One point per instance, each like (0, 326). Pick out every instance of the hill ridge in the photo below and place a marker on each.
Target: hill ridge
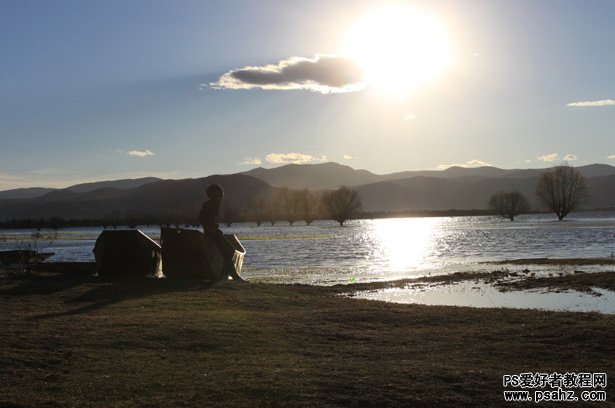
(455, 188)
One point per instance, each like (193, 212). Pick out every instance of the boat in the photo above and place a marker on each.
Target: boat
(126, 253)
(188, 253)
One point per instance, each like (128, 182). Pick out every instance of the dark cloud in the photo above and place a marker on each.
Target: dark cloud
(324, 74)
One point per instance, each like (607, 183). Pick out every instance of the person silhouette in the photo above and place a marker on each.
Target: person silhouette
(207, 216)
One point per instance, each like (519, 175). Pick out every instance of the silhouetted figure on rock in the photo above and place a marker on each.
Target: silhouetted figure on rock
(207, 216)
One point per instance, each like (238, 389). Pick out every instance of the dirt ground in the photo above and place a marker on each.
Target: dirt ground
(549, 279)
(77, 340)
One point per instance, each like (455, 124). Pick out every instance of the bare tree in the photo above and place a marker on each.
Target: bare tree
(562, 189)
(342, 204)
(509, 204)
(289, 201)
(258, 210)
(308, 205)
(229, 212)
(285, 205)
(274, 209)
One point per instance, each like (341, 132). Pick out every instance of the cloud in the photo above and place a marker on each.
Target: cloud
(252, 161)
(323, 73)
(611, 157)
(140, 153)
(476, 163)
(349, 157)
(549, 157)
(296, 158)
(468, 164)
(604, 102)
(409, 117)
(555, 157)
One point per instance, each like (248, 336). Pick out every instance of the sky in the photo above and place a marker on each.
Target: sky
(93, 90)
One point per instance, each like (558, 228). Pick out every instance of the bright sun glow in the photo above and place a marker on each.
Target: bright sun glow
(406, 243)
(399, 48)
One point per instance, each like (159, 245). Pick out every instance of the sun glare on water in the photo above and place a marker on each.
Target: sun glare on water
(406, 243)
(400, 49)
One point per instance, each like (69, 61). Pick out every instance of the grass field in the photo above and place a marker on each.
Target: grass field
(71, 340)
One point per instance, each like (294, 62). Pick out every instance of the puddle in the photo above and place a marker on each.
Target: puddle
(474, 294)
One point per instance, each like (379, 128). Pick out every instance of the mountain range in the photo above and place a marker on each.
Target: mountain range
(454, 188)
(77, 188)
(172, 198)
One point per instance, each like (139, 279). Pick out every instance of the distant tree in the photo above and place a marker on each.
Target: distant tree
(308, 205)
(342, 204)
(287, 201)
(509, 204)
(275, 210)
(229, 212)
(562, 190)
(272, 213)
(258, 210)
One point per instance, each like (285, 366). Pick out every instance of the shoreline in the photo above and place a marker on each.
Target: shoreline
(506, 280)
(574, 285)
(61, 223)
(547, 275)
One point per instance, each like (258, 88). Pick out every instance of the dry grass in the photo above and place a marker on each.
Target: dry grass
(70, 340)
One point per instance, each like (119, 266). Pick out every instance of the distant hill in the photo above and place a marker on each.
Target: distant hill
(19, 193)
(313, 176)
(431, 193)
(455, 188)
(602, 190)
(121, 184)
(181, 198)
(467, 193)
(451, 172)
(33, 192)
(592, 170)
(332, 175)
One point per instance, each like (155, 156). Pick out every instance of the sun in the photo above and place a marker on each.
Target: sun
(399, 48)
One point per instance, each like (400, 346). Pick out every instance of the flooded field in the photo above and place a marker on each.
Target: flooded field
(385, 249)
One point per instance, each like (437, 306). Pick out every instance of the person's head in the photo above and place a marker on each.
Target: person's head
(214, 191)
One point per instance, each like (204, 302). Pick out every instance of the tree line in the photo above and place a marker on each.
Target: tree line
(283, 204)
(560, 190)
(289, 205)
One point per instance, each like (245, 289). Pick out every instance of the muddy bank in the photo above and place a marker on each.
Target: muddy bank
(524, 277)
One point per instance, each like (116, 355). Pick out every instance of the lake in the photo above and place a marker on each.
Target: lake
(366, 250)
(385, 249)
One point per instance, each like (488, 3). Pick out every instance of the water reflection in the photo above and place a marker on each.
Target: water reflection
(482, 295)
(405, 244)
(364, 250)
